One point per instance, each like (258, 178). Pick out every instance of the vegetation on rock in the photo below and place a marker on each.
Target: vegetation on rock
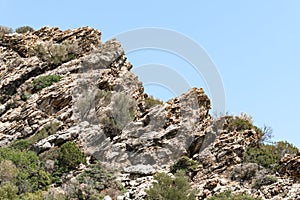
(98, 178)
(241, 124)
(44, 81)
(5, 30)
(267, 155)
(70, 156)
(150, 101)
(24, 29)
(26, 144)
(186, 164)
(55, 53)
(22, 170)
(169, 189)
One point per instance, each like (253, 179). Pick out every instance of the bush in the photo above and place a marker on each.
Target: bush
(168, 189)
(227, 195)
(31, 175)
(98, 179)
(267, 155)
(150, 102)
(24, 29)
(5, 30)
(31, 196)
(8, 191)
(70, 156)
(44, 81)
(49, 129)
(265, 180)
(56, 54)
(121, 114)
(8, 171)
(21, 144)
(26, 144)
(241, 124)
(186, 164)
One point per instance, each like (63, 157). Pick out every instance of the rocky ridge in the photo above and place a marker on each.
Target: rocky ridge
(101, 105)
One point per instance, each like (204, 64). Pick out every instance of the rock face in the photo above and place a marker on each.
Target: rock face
(101, 105)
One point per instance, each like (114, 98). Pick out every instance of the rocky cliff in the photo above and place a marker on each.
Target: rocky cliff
(100, 104)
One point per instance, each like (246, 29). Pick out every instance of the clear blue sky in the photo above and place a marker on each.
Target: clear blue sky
(254, 44)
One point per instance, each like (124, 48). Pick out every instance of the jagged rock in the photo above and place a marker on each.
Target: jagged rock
(100, 104)
(290, 165)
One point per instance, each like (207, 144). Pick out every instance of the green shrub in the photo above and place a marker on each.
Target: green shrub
(169, 189)
(240, 124)
(31, 196)
(150, 101)
(186, 164)
(44, 81)
(227, 195)
(49, 129)
(21, 144)
(24, 29)
(26, 144)
(31, 175)
(8, 191)
(70, 156)
(267, 155)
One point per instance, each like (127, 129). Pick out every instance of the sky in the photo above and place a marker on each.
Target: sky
(254, 46)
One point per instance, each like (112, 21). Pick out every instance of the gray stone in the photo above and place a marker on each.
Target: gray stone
(140, 169)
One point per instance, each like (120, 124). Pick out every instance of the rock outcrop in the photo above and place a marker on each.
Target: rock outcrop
(101, 105)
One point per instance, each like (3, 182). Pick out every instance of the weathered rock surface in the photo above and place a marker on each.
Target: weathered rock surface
(101, 105)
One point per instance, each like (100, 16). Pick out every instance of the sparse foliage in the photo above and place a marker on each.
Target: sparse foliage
(55, 53)
(97, 178)
(267, 134)
(166, 188)
(8, 171)
(150, 102)
(122, 113)
(5, 30)
(265, 180)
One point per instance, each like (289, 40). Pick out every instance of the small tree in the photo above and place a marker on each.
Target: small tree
(24, 29)
(267, 134)
(70, 156)
(166, 188)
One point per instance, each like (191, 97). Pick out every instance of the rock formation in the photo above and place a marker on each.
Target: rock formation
(101, 105)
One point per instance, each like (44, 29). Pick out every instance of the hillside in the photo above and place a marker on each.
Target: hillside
(75, 123)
